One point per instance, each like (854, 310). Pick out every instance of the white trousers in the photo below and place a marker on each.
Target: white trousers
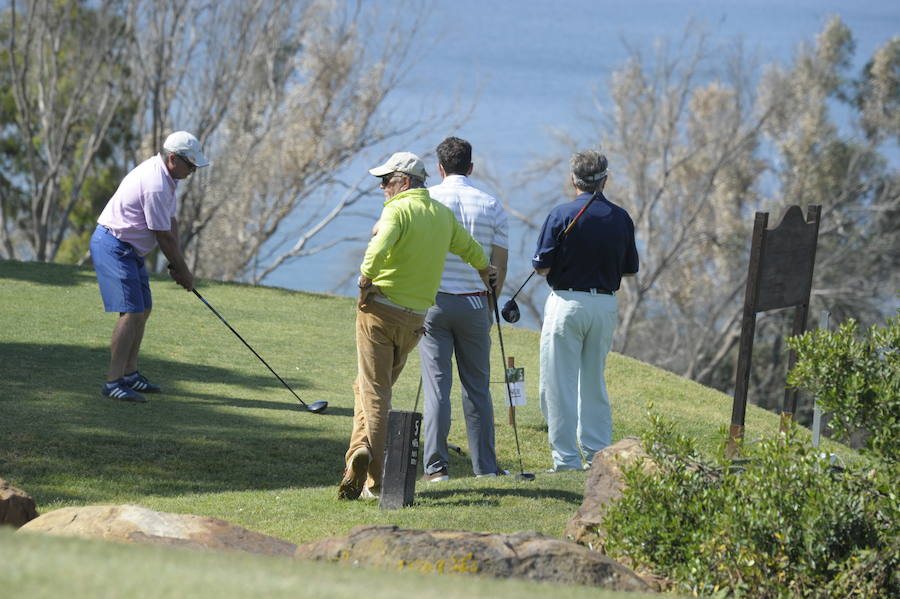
(575, 339)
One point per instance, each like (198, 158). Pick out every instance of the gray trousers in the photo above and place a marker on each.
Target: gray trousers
(463, 324)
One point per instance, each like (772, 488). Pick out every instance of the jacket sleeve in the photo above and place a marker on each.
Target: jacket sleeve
(547, 244)
(381, 243)
(465, 246)
(632, 262)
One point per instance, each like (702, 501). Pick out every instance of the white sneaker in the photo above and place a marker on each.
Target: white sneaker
(556, 469)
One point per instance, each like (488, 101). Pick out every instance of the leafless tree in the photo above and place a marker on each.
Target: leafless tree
(848, 173)
(284, 94)
(63, 67)
(681, 139)
(697, 142)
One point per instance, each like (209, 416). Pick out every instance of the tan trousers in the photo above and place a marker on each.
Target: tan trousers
(384, 337)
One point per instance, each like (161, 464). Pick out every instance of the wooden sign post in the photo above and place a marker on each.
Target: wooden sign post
(780, 276)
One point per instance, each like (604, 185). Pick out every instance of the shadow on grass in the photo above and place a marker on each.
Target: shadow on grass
(48, 274)
(482, 495)
(287, 402)
(64, 442)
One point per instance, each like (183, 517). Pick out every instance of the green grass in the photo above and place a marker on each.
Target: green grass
(40, 567)
(227, 440)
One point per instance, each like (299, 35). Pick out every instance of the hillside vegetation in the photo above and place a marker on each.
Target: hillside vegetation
(227, 440)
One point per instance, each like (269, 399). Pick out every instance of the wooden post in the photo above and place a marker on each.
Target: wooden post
(510, 363)
(748, 324)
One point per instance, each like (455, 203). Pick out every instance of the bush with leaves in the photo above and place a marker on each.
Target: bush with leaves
(856, 378)
(782, 522)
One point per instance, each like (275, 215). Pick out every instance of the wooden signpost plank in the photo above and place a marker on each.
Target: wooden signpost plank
(779, 276)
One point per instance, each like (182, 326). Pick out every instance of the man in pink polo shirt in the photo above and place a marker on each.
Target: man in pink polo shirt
(140, 216)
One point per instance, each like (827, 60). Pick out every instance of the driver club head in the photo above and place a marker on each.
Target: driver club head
(525, 476)
(317, 407)
(510, 311)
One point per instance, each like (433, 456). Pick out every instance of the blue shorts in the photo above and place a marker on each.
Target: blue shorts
(121, 274)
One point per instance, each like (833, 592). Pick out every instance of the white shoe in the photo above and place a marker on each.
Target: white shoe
(561, 469)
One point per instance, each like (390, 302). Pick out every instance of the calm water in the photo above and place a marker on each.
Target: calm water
(534, 66)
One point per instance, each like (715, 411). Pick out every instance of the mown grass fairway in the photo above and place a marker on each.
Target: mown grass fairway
(226, 439)
(45, 567)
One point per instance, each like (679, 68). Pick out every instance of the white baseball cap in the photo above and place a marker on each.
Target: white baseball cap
(401, 162)
(187, 146)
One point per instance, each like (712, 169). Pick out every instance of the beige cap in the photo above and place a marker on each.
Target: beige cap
(187, 146)
(401, 162)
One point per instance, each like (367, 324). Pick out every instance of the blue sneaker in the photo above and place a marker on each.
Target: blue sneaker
(118, 390)
(139, 382)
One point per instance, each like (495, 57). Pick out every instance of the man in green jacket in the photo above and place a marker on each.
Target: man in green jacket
(399, 279)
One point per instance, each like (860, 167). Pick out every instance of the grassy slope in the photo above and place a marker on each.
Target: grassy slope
(227, 440)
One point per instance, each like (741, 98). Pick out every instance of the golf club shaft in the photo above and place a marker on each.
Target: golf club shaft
(418, 392)
(522, 286)
(238, 335)
(506, 378)
(561, 237)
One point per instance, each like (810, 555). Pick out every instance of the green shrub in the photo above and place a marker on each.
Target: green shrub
(855, 378)
(781, 523)
(661, 520)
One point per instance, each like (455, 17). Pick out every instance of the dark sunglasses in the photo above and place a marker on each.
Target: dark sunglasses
(386, 179)
(191, 166)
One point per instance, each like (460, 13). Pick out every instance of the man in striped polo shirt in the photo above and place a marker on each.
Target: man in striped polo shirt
(460, 321)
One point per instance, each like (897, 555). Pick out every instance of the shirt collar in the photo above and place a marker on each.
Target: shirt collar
(455, 180)
(167, 176)
(408, 193)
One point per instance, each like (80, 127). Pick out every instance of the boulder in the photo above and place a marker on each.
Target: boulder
(603, 486)
(136, 524)
(16, 506)
(526, 555)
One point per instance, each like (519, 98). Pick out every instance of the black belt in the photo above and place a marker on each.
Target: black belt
(474, 293)
(585, 289)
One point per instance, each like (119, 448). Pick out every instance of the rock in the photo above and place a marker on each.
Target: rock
(526, 555)
(132, 523)
(16, 506)
(604, 485)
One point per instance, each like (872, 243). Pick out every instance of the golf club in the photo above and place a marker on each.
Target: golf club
(316, 407)
(418, 393)
(511, 308)
(522, 475)
(511, 311)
